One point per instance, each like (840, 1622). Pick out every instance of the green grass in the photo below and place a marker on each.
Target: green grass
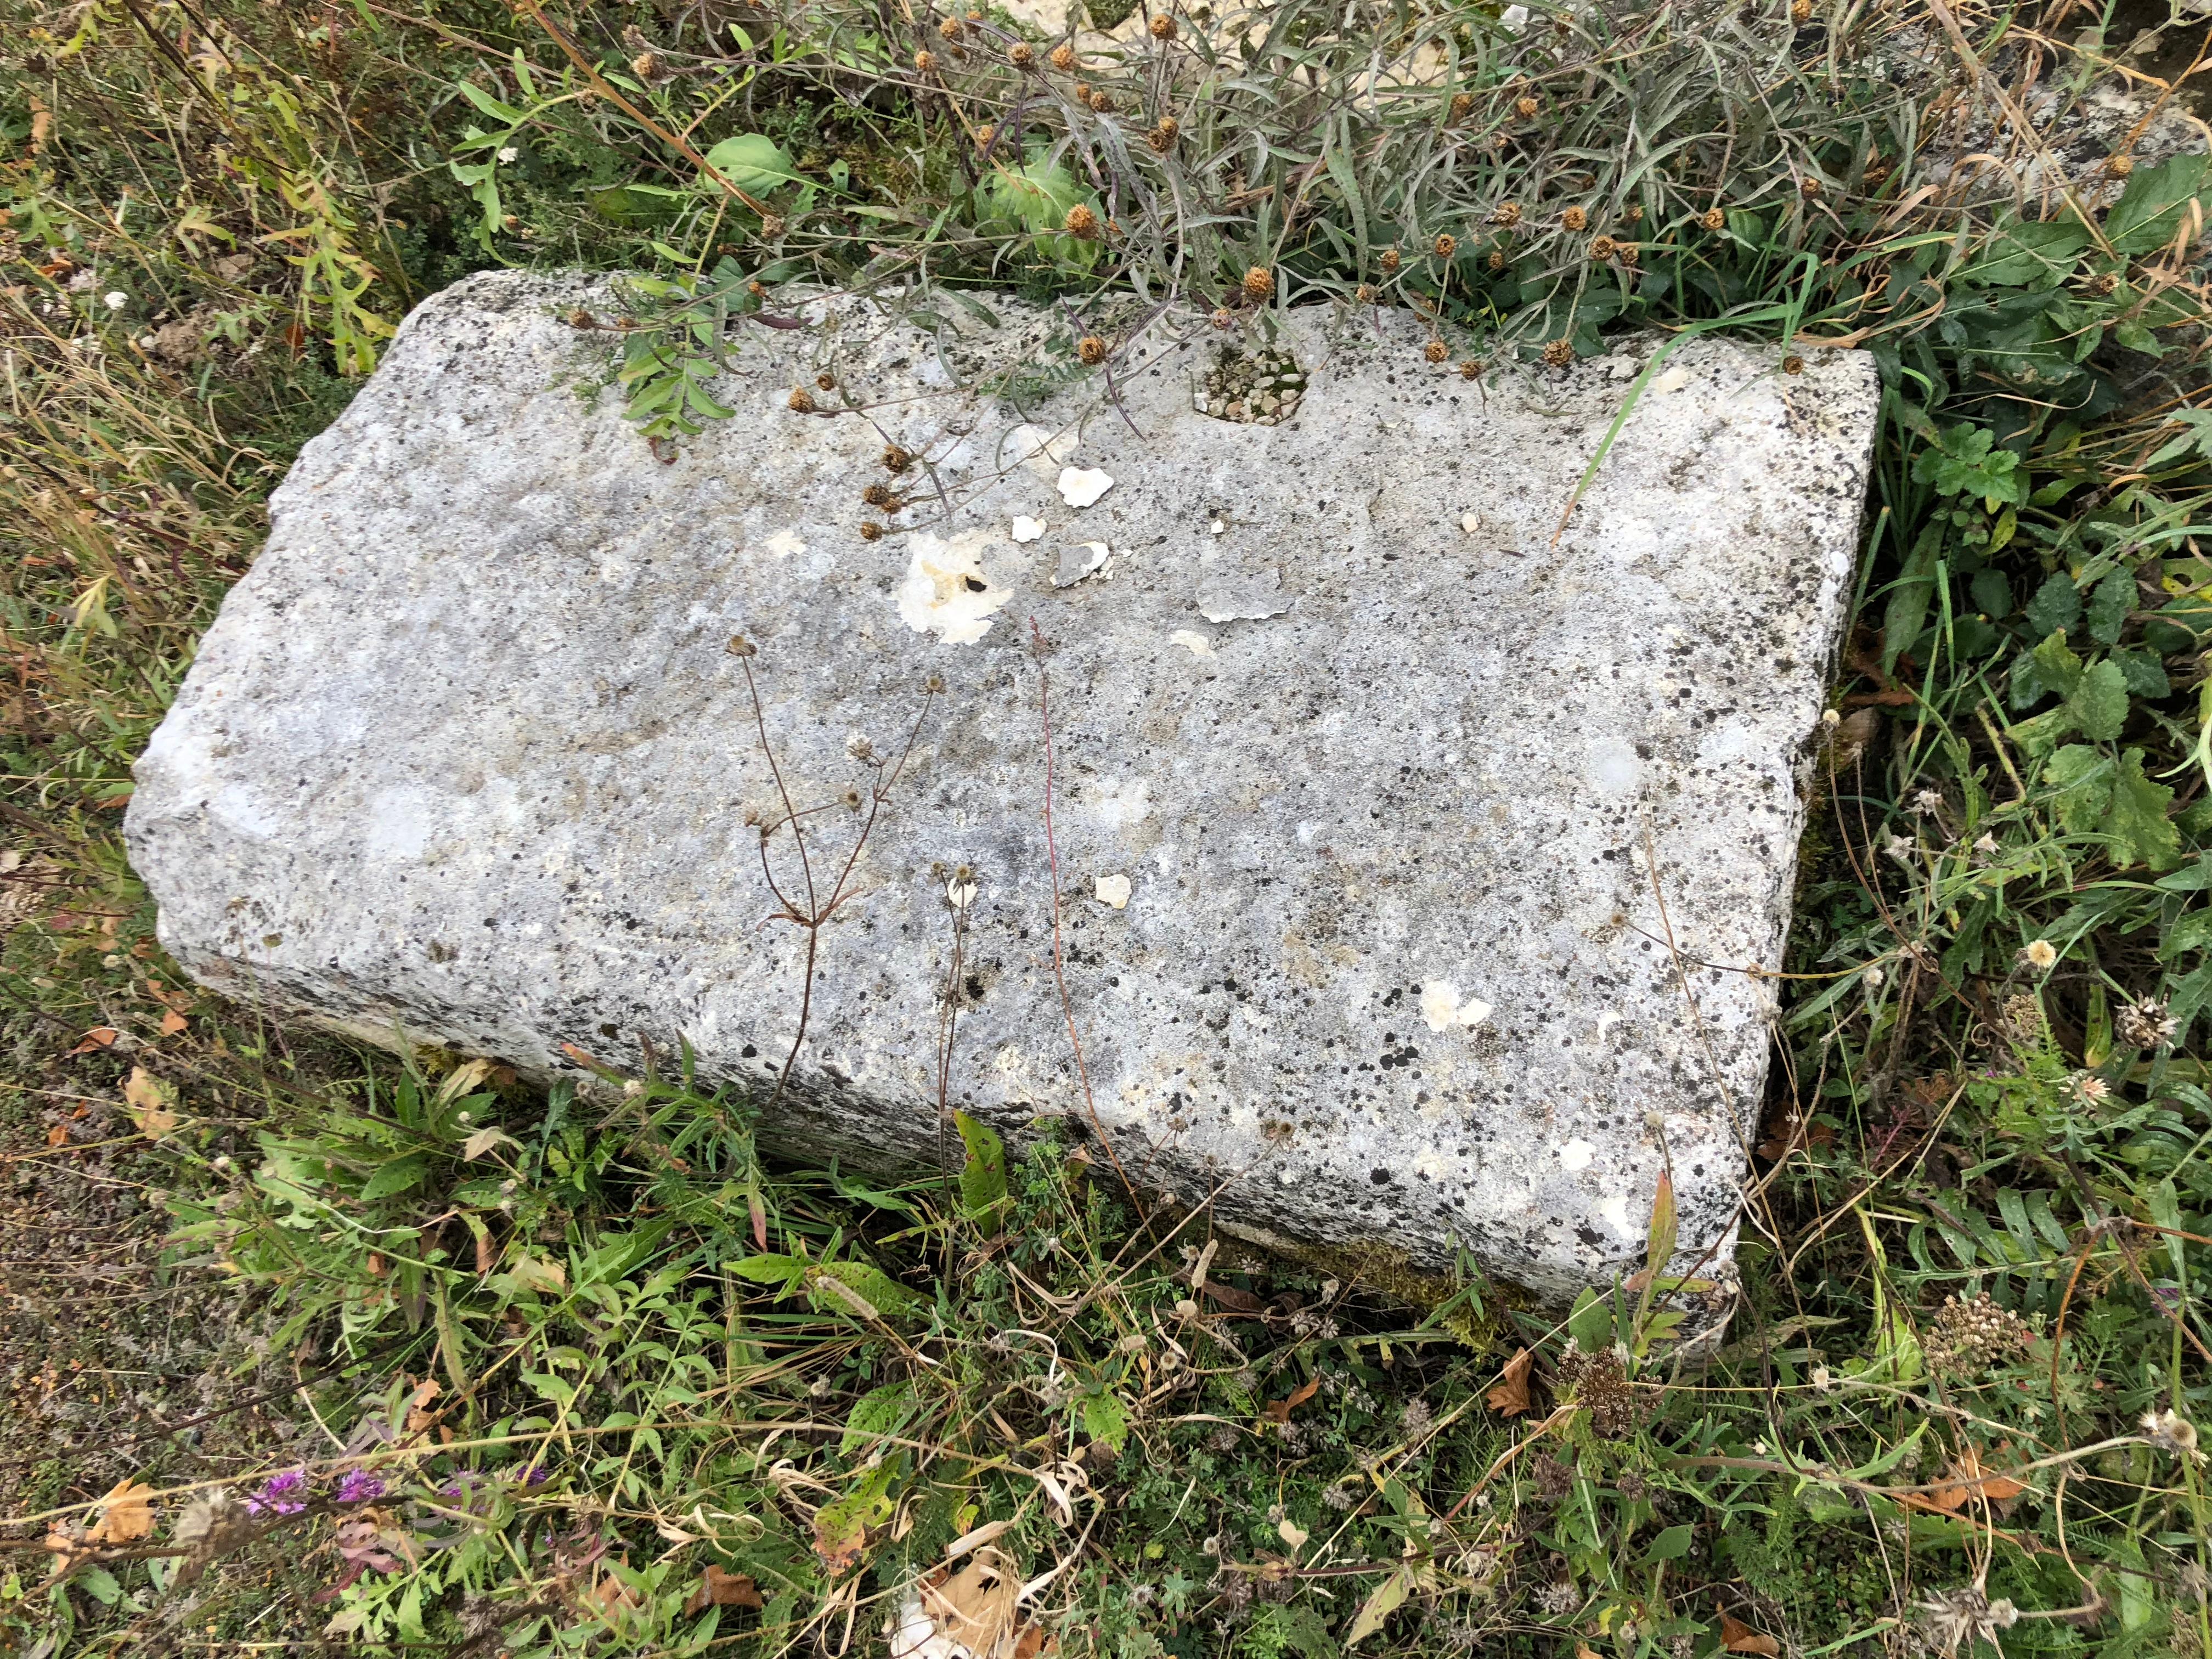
(1975, 1249)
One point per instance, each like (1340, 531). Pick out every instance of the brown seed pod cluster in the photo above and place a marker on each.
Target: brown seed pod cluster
(1389, 261)
(1091, 350)
(1628, 252)
(925, 61)
(1436, 351)
(1022, 55)
(1101, 103)
(871, 531)
(897, 460)
(879, 496)
(801, 401)
(1634, 216)
(951, 28)
(1508, 215)
(1525, 108)
(1080, 221)
(1574, 219)
(1445, 246)
(1462, 106)
(826, 381)
(1713, 219)
(1793, 364)
(1164, 28)
(1558, 353)
(1259, 283)
(1162, 137)
(1599, 1384)
(1470, 370)
(1063, 57)
(1965, 1337)
(2146, 1024)
(1602, 248)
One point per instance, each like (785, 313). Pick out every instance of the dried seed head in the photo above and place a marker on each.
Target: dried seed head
(1462, 106)
(1063, 57)
(1365, 294)
(1081, 95)
(877, 495)
(934, 685)
(1164, 28)
(2146, 1024)
(757, 290)
(826, 381)
(2119, 166)
(1389, 260)
(1496, 260)
(1508, 215)
(1091, 349)
(1558, 353)
(897, 460)
(1162, 137)
(951, 28)
(1022, 55)
(1223, 317)
(1634, 216)
(1602, 248)
(1713, 219)
(1793, 364)
(2038, 954)
(1446, 245)
(1525, 108)
(1436, 351)
(1081, 221)
(984, 134)
(802, 401)
(739, 646)
(646, 66)
(1802, 11)
(772, 226)
(1574, 219)
(1259, 283)
(1808, 188)
(1100, 103)
(852, 799)
(925, 61)
(1470, 370)
(871, 531)
(2106, 282)
(1626, 253)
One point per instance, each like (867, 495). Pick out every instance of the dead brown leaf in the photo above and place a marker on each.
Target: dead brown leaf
(128, 1516)
(151, 1102)
(718, 1588)
(173, 1022)
(1965, 1478)
(1280, 1410)
(59, 1136)
(419, 1414)
(99, 1036)
(1511, 1397)
(1739, 1637)
(975, 1607)
(1235, 1301)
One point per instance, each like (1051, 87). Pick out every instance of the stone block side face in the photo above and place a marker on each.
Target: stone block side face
(462, 757)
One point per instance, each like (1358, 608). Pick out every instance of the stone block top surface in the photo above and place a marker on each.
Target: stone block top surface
(1361, 765)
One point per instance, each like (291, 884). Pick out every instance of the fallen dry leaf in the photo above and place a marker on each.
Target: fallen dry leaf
(1235, 1301)
(99, 1036)
(1511, 1397)
(718, 1588)
(1280, 1410)
(128, 1516)
(173, 1022)
(151, 1102)
(1739, 1637)
(1964, 1479)
(59, 1136)
(419, 1415)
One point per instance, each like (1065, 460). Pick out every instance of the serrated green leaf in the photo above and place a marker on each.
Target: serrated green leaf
(398, 1175)
(983, 1178)
(1105, 1418)
(875, 1287)
(879, 1411)
(2055, 607)
(2098, 702)
(2083, 777)
(2057, 668)
(2141, 831)
(2109, 605)
(784, 1270)
(2149, 213)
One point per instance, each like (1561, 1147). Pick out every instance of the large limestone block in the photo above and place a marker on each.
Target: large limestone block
(1380, 764)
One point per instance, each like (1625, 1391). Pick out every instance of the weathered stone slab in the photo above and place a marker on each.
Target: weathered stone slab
(1357, 766)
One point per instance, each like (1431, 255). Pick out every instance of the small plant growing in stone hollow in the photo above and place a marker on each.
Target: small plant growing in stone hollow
(809, 902)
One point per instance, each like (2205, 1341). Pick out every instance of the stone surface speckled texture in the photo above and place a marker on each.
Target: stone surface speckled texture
(464, 758)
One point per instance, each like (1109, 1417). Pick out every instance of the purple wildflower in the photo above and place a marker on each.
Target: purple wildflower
(536, 1475)
(360, 1486)
(285, 1494)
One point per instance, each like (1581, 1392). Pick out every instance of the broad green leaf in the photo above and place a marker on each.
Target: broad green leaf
(1590, 1322)
(2083, 776)
(873, 1286)
(1908, 602)
(983, 1180)
(2056, 606)
(879, 1411)
(2109, 605)
(2149, 214)
(2030, 254)
(398, 1175)
(1105, 1418)
(1673, 1543)
(753, 163)
(2142, 832)
(2099, 702)
(784, 1270)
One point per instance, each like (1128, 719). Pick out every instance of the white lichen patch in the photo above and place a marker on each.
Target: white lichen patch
(946, 592)
(1027, 529)
(1578, 1155)
(1672, 379)
(1197, 644)
(1079, 486)
(1039, 448)
(786, 544)
(1112, 890)
(1444, 1009)
(1081, 560)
